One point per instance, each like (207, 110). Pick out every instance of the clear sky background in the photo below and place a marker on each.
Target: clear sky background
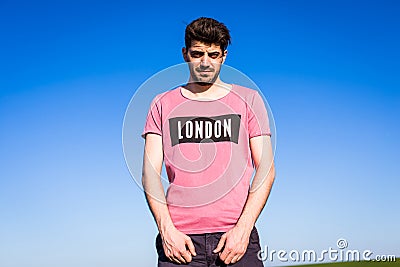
(329, 69)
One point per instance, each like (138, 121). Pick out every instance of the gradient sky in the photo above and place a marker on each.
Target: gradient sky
(329, 69)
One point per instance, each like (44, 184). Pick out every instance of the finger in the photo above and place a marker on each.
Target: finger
(236, 259)
(187, 256)
(230, 257)
(191, 247)
(167, 252)
(224, 254)
(221, 244)
(240, 257)
(180, 259)
(176, 260)
(172, 259)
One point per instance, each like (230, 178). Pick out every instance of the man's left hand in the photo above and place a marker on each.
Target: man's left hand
(234, 244)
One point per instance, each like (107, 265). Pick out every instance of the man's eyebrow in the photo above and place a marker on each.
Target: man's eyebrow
(198, 46)
(209, 52)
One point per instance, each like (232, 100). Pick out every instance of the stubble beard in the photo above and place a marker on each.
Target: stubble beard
(204, 81)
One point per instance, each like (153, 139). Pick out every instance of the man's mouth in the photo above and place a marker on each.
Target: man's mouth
(208, 70)
(205, 72)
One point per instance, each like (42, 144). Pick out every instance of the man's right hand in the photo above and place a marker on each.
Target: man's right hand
(178, 247)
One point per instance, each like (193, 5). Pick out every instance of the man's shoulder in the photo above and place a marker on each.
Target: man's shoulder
(159, 98)
(245, 93)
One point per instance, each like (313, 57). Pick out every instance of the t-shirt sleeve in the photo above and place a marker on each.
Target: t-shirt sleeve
(153, 119)
(258, 122)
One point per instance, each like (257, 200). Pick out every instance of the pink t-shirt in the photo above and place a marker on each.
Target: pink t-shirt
(207, 155)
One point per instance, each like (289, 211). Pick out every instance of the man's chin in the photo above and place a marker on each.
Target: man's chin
(204, 83)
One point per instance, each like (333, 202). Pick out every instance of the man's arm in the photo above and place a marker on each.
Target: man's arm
(177, 246)
(236, 240)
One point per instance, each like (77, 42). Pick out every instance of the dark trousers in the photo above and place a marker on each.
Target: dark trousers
(205, 244)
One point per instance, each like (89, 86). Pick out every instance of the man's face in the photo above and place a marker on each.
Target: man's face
(204, 61)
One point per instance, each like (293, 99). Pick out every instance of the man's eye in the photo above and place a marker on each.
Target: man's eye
(213, 55)
(197, 54)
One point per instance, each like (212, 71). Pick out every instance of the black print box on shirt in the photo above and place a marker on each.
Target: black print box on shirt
(204, 129)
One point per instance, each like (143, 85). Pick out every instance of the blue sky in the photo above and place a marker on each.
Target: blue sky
(329, 70)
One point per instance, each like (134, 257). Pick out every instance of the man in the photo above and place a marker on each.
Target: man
(211, 135)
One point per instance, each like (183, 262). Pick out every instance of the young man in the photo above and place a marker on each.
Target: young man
(211, 136)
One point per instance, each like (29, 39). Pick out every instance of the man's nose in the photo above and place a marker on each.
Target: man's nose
(205, 61)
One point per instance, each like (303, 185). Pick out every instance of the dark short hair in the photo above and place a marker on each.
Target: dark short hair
(208, 31)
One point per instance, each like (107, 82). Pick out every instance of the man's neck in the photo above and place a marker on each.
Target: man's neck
(214, 90)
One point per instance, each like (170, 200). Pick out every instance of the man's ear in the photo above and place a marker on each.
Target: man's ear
(224, 56)
(184, 54)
